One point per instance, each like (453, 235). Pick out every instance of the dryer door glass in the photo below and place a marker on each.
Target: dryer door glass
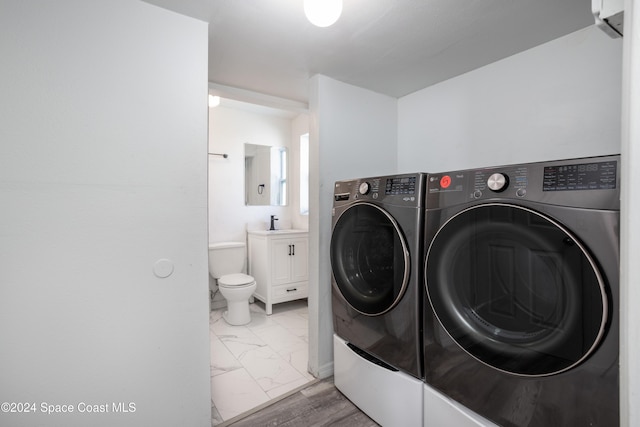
(516, 290)
(369, 259)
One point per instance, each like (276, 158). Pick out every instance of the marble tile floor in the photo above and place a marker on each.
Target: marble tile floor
(258, 362)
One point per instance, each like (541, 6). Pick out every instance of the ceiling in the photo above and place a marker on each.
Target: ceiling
(394, 47)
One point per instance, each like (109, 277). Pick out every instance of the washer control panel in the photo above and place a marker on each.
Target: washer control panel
(401, 185)
(397, 189)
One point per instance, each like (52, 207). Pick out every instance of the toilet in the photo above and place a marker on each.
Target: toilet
(226, 263)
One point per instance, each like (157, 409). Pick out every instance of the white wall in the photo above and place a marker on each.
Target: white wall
(558, 100)
(630, 224)
(353, 134)
(229, 129)
(102, 174)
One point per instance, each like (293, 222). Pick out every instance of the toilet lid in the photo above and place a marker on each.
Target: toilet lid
(237, 279)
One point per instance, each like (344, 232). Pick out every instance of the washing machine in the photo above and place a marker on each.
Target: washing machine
(522, 292)
(376, 254)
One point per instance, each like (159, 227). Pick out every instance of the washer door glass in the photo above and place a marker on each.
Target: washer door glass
(516, 290)
(369, 259)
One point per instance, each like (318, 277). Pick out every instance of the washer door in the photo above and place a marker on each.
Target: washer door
(516, 290)
(369, 259)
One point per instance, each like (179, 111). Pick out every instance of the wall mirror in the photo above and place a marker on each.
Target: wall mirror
(265, 175)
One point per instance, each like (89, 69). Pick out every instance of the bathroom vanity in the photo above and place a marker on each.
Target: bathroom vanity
(278, 260)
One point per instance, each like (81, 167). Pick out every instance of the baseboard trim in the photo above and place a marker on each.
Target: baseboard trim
(325, 371)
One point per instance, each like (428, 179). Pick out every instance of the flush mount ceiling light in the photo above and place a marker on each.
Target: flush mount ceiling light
(323, 13)
(214, 101)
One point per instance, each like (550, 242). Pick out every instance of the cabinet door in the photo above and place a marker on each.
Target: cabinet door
(281, 251)
(299, 260)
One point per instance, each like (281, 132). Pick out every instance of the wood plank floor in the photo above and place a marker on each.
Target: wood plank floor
(319, 404)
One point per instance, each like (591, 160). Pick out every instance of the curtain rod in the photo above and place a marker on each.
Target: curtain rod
(219, 154)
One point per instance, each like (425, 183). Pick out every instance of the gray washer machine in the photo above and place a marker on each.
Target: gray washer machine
(376, 260)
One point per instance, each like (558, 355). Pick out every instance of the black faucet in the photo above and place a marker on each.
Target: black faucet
(273, 218)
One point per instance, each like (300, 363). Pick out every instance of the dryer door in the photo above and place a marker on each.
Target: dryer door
(369, 259)
(516, 290)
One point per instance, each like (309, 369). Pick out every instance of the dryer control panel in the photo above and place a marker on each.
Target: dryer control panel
(581, 182)
(582, 176)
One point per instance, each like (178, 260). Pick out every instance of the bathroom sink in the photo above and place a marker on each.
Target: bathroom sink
(286, 231)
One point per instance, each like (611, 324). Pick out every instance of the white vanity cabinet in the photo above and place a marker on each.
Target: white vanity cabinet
(278, 260)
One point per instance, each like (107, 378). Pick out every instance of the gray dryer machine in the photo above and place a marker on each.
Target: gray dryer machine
(522, 281)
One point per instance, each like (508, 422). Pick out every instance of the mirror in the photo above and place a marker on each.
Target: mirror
(265, 175)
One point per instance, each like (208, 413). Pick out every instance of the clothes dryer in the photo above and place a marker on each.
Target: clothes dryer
(521, 274)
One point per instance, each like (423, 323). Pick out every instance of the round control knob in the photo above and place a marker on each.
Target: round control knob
(364, 188)
(497, 182)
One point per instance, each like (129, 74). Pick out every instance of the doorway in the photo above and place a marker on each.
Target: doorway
(267, 358)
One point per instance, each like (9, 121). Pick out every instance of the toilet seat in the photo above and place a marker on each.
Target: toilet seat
(236, 280)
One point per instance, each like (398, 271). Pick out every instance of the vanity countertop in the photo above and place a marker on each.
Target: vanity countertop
(272, 232)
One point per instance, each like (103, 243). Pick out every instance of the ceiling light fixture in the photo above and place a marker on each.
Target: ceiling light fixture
(214, 101)
(322, 13)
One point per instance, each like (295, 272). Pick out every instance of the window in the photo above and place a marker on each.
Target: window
(304, 174)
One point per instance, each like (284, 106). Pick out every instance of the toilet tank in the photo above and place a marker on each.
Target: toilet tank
(226, 258)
